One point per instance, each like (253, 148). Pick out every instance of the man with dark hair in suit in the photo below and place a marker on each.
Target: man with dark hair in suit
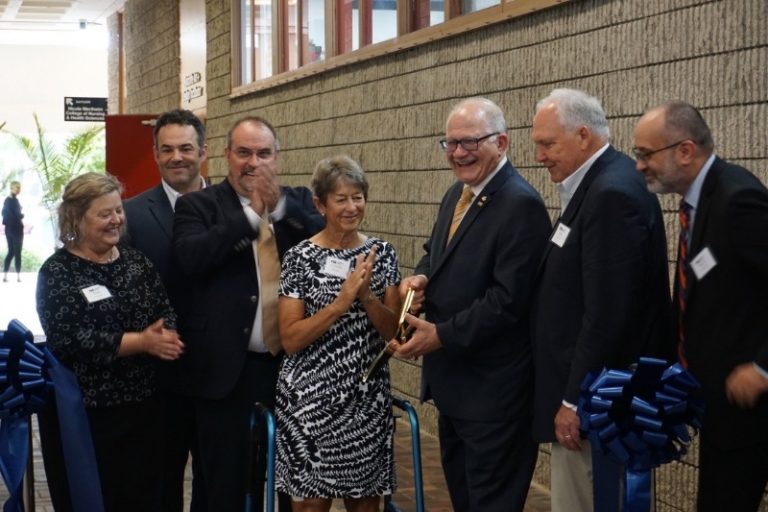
(227, 240)
(180, 150)
(602, 289)
(720, 298)
(475, 283)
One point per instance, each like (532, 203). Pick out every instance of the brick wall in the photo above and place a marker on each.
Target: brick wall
(389, 112)
(152, 67)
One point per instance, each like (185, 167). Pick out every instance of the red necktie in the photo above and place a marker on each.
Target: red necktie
(682, 277)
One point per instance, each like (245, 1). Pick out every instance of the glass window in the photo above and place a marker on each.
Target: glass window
(383, 20)
(246, 31)
(436, 12)
(291, 34)
(476, 5)
(313, 30)
(262, 23)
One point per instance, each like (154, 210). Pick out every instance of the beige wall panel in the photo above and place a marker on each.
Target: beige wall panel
(388, 112)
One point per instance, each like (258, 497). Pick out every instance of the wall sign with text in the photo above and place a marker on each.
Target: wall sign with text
(84, 109)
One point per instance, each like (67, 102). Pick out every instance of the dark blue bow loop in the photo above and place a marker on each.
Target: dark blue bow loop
(640, 419)
(27, 373)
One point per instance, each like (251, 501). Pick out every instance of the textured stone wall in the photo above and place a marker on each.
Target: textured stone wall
(152, 66)
(389, 112)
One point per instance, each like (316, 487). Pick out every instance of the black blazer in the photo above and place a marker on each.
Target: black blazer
(149, 228)
(478, 295)
(725, 323)
(212, 247)
(602, 299)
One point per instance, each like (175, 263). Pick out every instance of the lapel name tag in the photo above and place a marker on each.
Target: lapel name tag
(95, 293)
(703, 262)
(337, 267)
(560, 235)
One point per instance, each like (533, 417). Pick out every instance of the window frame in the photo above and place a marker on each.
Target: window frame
(408, 37)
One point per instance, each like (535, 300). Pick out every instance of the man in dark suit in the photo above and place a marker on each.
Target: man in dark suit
(474, 283)
(180, 150)
(232, 351)
(602, 289)
(720, 298)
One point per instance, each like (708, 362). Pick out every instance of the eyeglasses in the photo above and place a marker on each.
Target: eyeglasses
(469, 143)
(642, 156)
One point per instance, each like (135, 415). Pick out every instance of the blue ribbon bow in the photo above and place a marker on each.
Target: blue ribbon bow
(26, 375)
(640, 419)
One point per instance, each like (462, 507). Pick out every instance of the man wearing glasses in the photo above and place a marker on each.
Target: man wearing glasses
(720, 298)
(227, 240)
(602, 289)
(474, 283)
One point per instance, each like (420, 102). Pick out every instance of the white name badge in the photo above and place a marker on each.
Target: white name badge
(560, 235)
(337, 267)
(95, 293)
(703, 263)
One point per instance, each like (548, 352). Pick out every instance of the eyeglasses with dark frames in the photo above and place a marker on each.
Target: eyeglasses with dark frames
(468, 143)
(642, 155)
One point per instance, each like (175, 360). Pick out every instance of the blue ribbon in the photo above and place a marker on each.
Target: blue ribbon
(26, 374)
(640, 419)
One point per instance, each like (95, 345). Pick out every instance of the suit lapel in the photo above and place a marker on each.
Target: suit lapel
(443, 252)
(700, 221)
(160, 209)
(578, 198)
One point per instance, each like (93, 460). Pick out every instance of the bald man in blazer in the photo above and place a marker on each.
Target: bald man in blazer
(720, 299)
(475, 288)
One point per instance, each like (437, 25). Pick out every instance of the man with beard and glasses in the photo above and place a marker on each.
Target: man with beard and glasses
(720, 298)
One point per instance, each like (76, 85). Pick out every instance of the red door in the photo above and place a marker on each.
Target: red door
(130, 152)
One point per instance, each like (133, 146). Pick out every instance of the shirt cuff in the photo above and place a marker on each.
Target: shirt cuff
(761, 371)
(570, 406)
(279, 212)
(253, 218)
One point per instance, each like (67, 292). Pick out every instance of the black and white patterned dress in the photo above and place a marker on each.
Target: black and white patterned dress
(334, 436)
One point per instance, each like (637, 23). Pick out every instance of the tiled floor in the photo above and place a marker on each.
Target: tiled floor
(17, 301)
(435, 494)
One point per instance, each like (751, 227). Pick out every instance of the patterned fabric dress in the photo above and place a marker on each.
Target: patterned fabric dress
(85, 336)
(334, 436)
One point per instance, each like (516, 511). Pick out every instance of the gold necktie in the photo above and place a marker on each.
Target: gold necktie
(269, 272)
(461, 208)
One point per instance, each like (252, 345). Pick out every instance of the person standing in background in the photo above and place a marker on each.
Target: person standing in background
(180, 151)
(14, 231)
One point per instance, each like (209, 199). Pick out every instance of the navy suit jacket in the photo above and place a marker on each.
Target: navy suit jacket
(478, 296)
(602, 299)
(212, 246)
(725, 323)
(149, 228)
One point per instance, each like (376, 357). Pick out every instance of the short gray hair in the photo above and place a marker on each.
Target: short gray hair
(491, 111)
(577, 108)
(340, 168)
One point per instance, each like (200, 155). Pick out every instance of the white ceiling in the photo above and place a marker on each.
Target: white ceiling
(55, 15)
